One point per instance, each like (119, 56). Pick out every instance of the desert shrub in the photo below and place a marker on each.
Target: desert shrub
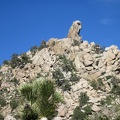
(116, 90)
(97, 63)
(43, 45)
(74, 78)
(116, 87)
(6, 62)
(66, 86)
(15, 81)
(118, 117)
(13, 104)
(108, 77)
(98, 49)
(78, 114)
(2, 101)
(61, 81)
(33, 50)
(67, 64)
(25, 59)
(97, 84)
(83, 98)
(87, 110)
(57, 74)
(107, 100)
(39, 75)
(103, 117)
(0, 82)
(19, 61)
(1, 117)
(76, 43)
(15, 61)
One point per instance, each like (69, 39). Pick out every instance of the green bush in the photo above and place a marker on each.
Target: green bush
(98, 49)
(13, 104)
(97, 85)
(108, 77)
(33, 50)
(67, 64)
(15, 61)
(6, 62)
(83, 98)
(15, 81)
(116, 87)
(66, 86)
(19, 61)
(2, 101)
(74, 78)
(57, 74)
(76, 43)
(43, 45)
(107, 100)
(103, 117)
(1, 117)
(78, 114)
(42, 99)
(87, 110)
(118, 117)
(25, 59)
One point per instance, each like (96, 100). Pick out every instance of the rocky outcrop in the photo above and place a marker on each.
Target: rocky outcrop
(89, 65)
(74, 31)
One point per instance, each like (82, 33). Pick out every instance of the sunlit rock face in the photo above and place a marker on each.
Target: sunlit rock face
(74, 30)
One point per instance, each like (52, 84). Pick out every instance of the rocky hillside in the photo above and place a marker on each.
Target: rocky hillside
(87, 76)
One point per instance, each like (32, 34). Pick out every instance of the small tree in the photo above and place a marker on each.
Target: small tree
(40, 99)
(83, 98)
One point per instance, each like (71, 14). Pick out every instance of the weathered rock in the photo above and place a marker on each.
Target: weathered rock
(57, 118)
(93, 100)
(62, 110)
(95, 108)
(88, 59)
(75, 30)
(43, 118)
(9, 117)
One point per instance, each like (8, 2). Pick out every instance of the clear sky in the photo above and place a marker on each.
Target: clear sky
(24, 23)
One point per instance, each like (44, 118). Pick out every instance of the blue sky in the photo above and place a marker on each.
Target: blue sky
(24, 23)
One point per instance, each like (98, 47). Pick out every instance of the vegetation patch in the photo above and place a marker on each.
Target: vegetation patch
(43, 45)
(98, 49)
(39, 99)
(19, 61)
(116, 85)
(15, 81)
(83, 99)
(97, 85)
(2, 101)
(13, 104)
(74, 78)
(67, 64)
(33, 50)
(1, 117)
(76, 43)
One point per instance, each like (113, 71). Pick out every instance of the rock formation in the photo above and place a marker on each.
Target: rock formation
(80, 67)
(74, 30)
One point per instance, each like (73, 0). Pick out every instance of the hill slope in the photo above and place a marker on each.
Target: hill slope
(82, 72)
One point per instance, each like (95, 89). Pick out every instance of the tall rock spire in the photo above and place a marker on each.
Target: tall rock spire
(74, 30)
